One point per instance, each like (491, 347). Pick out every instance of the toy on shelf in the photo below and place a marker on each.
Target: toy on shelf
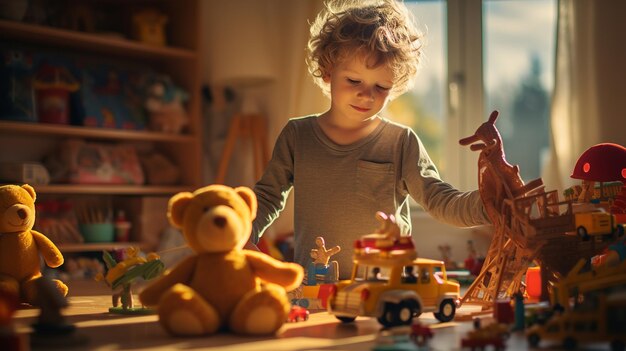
(21, 247)
(52, 86)
(122, 273)
(386, 242)
(164, 103)
(149, 27)
(591, 305)
(16, 102)
(394, 288)
(221, 286)
(322, 270)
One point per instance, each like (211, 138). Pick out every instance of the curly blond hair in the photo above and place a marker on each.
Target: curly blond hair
(382, 30)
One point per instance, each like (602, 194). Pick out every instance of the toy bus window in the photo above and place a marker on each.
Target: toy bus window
(409, 275)
(554, 328)
(424, 276)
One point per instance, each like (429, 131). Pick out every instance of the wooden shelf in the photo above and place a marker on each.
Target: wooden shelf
(25, 128)
(96, 43)
(86, 247)
(105, 189)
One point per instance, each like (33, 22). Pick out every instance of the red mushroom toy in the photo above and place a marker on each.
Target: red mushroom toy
(600, 163)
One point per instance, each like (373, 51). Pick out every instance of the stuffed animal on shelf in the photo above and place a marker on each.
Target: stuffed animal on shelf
(20, 246)
(221, 285)
(164, 103)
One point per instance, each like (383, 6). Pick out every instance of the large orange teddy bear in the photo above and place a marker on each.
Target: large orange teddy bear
(20, 246)
(221, 285)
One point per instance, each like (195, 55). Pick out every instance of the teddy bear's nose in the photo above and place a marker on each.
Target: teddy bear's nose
(219, 221)
(22, 213)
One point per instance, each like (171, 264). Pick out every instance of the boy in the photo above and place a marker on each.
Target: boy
(349, 162)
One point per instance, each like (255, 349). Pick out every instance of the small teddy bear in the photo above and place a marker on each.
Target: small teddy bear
(20, 246)
(221, 286)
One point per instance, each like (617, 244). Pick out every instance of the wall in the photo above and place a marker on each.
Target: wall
(611, 68)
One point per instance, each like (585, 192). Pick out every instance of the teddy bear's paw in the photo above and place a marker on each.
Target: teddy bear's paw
(61, 287)
(260, 312)
(183, 312)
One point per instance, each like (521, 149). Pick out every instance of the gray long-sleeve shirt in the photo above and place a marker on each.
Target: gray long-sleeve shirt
(339, 188)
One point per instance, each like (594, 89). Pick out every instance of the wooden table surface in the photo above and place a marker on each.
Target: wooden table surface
(88, 311)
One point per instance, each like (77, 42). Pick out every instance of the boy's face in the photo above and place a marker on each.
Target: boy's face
(358, 92)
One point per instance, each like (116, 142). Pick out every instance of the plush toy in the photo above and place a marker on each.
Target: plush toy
(20, 246)
(221, 285)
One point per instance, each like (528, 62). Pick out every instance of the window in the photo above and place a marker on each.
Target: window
(519, 46)
(481, 56)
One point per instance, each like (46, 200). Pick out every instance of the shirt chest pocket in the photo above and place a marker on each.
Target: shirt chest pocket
(375, 181)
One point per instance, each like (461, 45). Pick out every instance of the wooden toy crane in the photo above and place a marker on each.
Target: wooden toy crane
(500, 184)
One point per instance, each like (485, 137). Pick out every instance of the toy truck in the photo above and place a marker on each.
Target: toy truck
(597, 223)
(395, 290)
(601, 317)
(590, 305)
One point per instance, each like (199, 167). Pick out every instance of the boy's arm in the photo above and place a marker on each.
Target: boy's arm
(274, 186)
(440, 199)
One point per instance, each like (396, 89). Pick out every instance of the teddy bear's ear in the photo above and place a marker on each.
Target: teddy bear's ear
(249, 197)
(30, 190)
(177, 206)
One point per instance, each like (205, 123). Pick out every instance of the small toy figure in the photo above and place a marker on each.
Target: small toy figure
(53, 86)
(386, 242)
(446, 253)
(520, 312)
(51, 328)
(320, 269)
(123, 272)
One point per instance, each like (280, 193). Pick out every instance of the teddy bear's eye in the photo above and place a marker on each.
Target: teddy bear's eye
(205, 209)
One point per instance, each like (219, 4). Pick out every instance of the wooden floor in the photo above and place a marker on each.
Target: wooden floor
(101, 330)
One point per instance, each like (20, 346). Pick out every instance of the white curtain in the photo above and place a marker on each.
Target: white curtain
(589, 97)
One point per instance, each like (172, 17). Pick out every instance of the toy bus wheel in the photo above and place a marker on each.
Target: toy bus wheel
(346, 319)
(447, 309)
(618, 345)
(533, 340)
(582, 233)
(620, 230)
(389, 316)
(404, 313)
(569, 343)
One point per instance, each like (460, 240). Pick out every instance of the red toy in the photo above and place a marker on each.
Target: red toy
(297, 313)
(420, 333)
